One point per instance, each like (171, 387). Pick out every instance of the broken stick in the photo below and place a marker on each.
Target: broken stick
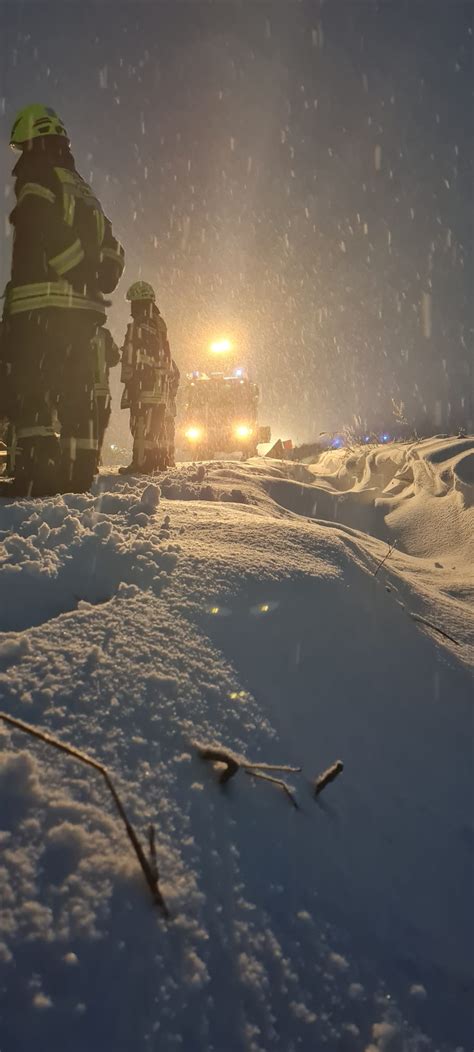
(253, 773)
(255, 770)
(148, 867)
(220, 756)
(327, 776)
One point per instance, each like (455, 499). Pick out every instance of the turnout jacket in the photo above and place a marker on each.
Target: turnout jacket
(65, 253)
(146, 361)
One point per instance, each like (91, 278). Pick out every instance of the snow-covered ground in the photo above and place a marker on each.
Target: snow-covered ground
(245, 607)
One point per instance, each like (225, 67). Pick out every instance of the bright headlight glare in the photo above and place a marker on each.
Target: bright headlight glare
(242, 431)
(220, 346)
(193, 434)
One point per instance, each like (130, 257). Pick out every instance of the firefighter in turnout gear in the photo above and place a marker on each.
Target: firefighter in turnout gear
(146, 372)
(107, 355)
(65, 258)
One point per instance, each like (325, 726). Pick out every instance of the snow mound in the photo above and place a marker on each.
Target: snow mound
(419, 495)
(137, 623)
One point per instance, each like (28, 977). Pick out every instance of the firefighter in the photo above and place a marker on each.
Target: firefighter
(146, 370)
(65, 258)
(106, 355)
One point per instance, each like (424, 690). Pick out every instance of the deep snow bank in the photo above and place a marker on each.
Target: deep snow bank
(131, 628)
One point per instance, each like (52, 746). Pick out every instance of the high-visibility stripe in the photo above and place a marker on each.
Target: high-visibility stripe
(148, 359)
(12, 452)
(116, 254)
(69, 208)
(87, 443)
(145, 359)
(150, 399)
(100, 222)
(64, 303)
(36, 432)
(65, 176)
(22, 298)
(145, 327)
(101, 372)
(68, 259)
(75, 188)
(69, 445)
(36, 190)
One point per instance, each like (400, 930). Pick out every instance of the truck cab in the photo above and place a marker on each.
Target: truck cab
(220, 415)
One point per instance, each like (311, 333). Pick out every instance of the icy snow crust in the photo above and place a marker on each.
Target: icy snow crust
(232, 610)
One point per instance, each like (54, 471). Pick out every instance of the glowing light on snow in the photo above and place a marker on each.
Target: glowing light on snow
(263, 608)
(219, 611)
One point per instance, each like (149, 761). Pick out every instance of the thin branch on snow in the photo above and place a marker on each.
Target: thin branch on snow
(220, 756)
(429, 624)
(149, 868)
(384, 560)
(327, 776)
(253, 773)
(417, 617)
(232, 765)
(270, 767)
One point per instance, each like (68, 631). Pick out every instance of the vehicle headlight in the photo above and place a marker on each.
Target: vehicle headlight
(193, 434)
(222, 346)
(243, 431)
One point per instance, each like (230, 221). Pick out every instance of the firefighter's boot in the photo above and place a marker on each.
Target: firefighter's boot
(34, 463)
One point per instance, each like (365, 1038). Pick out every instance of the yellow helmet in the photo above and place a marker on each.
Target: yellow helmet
(33, 122)
(140, 290)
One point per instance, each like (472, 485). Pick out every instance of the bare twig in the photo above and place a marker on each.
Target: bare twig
(327, 776)
(232, 765)
(276, 781)
(147, 869)
(429, 624)
(220, 756)
(269, 767)
(384, 560)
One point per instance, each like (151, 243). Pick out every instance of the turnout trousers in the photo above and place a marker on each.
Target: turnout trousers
(147, 424)
(52, 409)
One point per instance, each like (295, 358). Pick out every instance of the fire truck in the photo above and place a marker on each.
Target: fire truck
(220, 415)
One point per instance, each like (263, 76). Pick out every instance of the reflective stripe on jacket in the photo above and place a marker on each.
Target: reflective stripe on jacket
(22, 298)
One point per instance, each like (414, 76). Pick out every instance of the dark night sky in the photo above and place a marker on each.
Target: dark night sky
(298, 175)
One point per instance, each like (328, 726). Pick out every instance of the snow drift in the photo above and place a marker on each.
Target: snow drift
(264, 607)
